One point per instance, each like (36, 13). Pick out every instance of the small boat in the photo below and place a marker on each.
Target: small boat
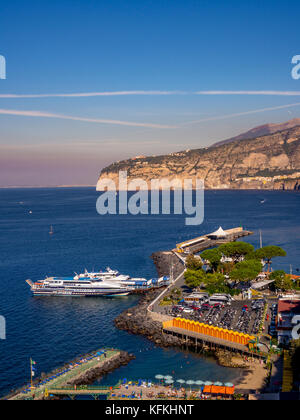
(51, 230)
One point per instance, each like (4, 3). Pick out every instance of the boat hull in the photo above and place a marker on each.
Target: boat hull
(78, 293)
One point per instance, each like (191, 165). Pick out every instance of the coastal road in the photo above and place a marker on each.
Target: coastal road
(178, 283)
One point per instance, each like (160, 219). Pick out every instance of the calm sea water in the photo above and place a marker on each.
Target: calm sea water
(55, 330)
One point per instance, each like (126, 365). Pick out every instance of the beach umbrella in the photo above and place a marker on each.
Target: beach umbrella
(159, 376)
(168, 377)
(208, 383)
(181, 381)
(190, 382)
(229, 385)
(218, 384)
(169, 381)
(199, 383)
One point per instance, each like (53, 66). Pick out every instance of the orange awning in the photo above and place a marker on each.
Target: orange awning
(218, 390)
(229, 391)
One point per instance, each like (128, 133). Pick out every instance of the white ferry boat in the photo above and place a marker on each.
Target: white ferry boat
(70, 286)
(101, 283)
(113, 276)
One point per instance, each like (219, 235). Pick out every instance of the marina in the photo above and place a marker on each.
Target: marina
(76, 325)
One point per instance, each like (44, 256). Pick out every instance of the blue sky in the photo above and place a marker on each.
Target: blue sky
(81, 46)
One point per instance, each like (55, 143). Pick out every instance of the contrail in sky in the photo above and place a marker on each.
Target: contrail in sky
(40, 114)
(92, 94)
(249, 92)
(149, 93)
(240, 114)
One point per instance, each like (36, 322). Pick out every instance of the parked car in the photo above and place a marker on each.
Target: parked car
(188, 310)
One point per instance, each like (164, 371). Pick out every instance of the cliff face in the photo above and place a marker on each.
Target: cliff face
(267, 162)
(262, 130)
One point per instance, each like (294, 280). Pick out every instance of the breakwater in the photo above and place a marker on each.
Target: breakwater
(137, 320)
(81, 371)
(172, 261)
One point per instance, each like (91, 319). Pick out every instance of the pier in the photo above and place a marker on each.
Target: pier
(173, 261)
(196, 245)
(212, 342)
(82, 371)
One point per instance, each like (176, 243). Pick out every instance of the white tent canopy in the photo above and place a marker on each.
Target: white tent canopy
(220, 233)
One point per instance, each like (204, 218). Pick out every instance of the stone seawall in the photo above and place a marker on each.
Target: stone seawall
(96, 373)
(138, 320)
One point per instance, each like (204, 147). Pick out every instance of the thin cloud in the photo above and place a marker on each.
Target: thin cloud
(249, 92)
(240, 114)
(149, 93)
(92, 94)
(39, 114)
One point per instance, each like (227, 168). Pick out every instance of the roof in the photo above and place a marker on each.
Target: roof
(219, 233)
(262, 284)
(218, 390)
(289, 306)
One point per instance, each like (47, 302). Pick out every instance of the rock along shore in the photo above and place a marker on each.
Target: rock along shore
(96, 373)
(138, 320)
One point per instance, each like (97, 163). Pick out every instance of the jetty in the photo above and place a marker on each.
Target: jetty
(171, 262)
(83, 371)
(193, 246)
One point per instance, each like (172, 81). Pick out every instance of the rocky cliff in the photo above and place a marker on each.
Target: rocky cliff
(262, 130)
(265, 162)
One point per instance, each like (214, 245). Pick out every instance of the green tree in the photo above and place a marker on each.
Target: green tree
(277, 275)
(236, 250)
(282, 280)
(267, 253)
(246, 271)
(194, 278)
(193, 263)
(175, 293)
(227, 267)
(213, 256)
(216, 283)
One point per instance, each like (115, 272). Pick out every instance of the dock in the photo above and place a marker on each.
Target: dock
(196, 245)
(211, 342)
(66, 377)
(173, 261)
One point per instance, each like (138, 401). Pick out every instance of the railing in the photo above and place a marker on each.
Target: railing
(83, 388)
(150, 307)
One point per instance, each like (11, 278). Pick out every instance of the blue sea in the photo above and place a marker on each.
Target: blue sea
(52, 331)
